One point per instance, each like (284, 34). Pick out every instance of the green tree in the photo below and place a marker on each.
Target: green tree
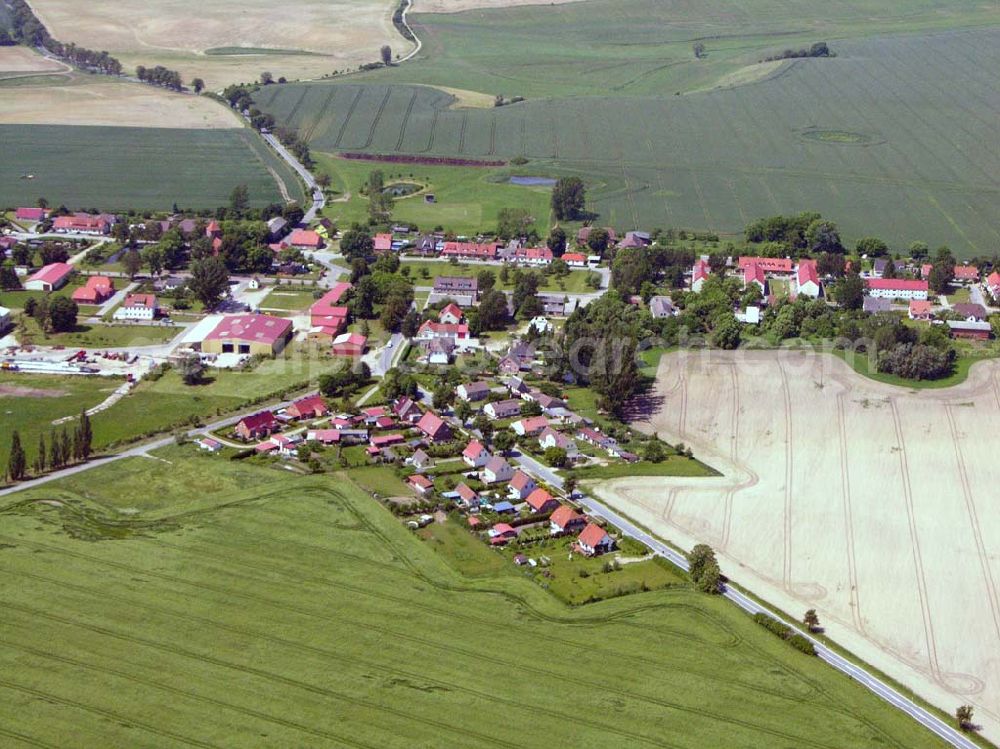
(16, 461)
(653, 451)
(394, 311)
(963, 716)
(198, 85)
(556, 241)
(266, 78)
(486, 281)
(514, 222)
(811, 620)
(209, 281)
(40, 458)
(872, 247)
(503, 441)
(463, 410)
(725, 332)
(357, 243)
(555, 457)
(410, 324)
(443, 395)
(699, 556)
(849, 292)
(598, 241)
(710, 579)
(85, 436)
(153, 257)
(62, 312)
(493, 310)
(568, 198)
(386, 54)
(823, 236)
(8, 277)
(239, 200)
(131, 263)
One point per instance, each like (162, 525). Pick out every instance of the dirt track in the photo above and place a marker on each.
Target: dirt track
(872, 504)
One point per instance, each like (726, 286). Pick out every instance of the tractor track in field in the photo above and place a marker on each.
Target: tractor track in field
(406, 120)
(787, 403)
(25, 739)
(377, 118)
(267, 676)
(295, 107)
(311, 130)
(461, 132)
(845, 481)
(184, 694)
(103, 713)
(360, 702)
(347, 118)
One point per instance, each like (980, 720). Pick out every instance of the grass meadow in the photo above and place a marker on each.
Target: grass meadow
(876, 138)
(120, 168)
(263, 608)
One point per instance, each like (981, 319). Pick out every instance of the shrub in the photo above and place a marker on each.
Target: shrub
(802, 644)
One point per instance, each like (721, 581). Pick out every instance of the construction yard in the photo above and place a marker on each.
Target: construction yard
(868, 502)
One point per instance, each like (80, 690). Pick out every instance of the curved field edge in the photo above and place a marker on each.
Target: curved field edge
(297, 577)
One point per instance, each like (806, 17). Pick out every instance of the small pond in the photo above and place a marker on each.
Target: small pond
(532, 181)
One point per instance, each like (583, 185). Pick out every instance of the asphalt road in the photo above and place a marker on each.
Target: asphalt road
(595, 508)
(319, 200)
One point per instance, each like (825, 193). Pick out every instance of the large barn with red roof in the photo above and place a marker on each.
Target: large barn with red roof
(248, 334)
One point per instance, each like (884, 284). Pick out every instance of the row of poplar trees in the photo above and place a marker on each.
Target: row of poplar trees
(62, 448)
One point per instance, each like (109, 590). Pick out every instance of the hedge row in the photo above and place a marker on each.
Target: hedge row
(782, 630)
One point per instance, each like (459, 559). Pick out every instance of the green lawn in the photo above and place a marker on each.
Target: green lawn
(287, 300)
(463, 550)
(96, 335)
(467, 199)
(303, 613)
(573, 283)
(673, 465)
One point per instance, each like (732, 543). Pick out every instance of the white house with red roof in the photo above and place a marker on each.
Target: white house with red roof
(776, 265)
(541, 501)
(327, 315)
(594, 540)
(81, 223)
(420, 483)
(966, 274)
(475, 455)
(407, 410)
(551, 438)
(807, 279)
(529, 427)
(431, 330)
(501, 533)
(566, 520)
(451, 315)
(434, 427)
(256, 426)
(496, 470)
(575, 259)
(521, 485)
(138, 307)
(897, 288)
(993, 285)
(754, 274)
(534, 256)
(467, 497)
(699, 274)
(470, 250)
(383, 242)
(51, 277)
(920, 309)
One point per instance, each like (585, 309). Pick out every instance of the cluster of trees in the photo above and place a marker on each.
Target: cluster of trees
(9, 280)
(819, 49)
(160, 76)
(516, 222)
(27, 29)
(704, 569)
(380, 201)
(599, 344)
(344, 384)
(806, 232)
(568, 198)
(380, 285)
(54, 314)
(61, 449)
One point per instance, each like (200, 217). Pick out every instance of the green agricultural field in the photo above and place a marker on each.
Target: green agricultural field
(467, 199)
(120, 168)
(302, 613)
(876, 138)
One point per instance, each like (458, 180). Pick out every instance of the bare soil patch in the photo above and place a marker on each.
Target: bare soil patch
(18, 391)
(92, 100)
(873, 504)
(340, 33)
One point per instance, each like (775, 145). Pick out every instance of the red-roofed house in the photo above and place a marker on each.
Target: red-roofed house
(966, 274)
(473, 391)
(807, 279)
(407, 410)
(51, 277)
(767, 264)
(257, 426)
(541, 501)
(81, 223)
(310, 407)
(138, 307)
(213, 229)
(521, 485)
(467, 498)
(451, 315)
(305, 239)
(97, 291)
(699, 274)
(470, 250)
(532, 256)
(896, 288)
(529, 427)
(503, 531)
(325, 436)
(496, 470)
(993, 285)
(431, 330)
(30, 215)
(383, 242)
(754, 274)
(920, 309)
(349, 344)
(434, 427)
(421, 483)
(575, 260)
(594, 540)
(565, 520)
(386, 440)
(475, 455)
(248, 334)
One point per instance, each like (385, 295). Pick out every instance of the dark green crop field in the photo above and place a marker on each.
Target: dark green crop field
(240, 605)
(118, 168)
(893, 137)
